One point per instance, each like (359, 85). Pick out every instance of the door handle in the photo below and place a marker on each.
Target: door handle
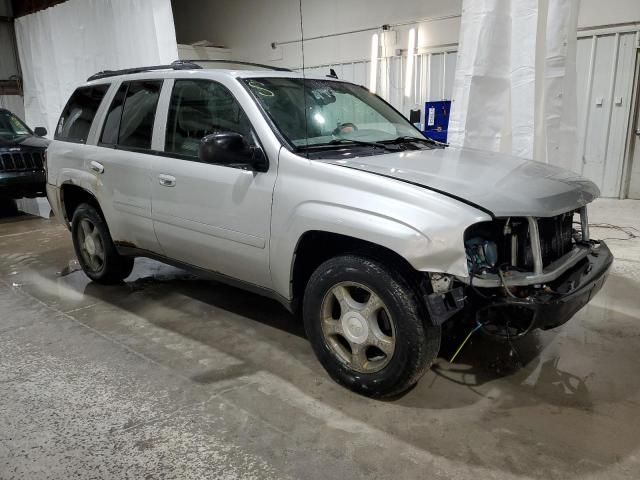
(96, 167)
(167, 180)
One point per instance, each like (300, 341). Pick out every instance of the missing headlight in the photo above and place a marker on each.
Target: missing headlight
(482, 254)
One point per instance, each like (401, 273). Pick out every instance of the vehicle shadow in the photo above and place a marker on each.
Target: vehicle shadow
(8, 208)
(489, 384)
(482, 361)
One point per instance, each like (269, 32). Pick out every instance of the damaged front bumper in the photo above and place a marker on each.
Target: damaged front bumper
(544, 300)
(552, 303)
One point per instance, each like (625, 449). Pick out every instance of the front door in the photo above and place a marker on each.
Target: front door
(215, 217)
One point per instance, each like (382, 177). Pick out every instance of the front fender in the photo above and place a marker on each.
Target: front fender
(438, 250)
(424, 227)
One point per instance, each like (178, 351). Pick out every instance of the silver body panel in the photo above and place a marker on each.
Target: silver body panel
(504, 185)
(247, 225)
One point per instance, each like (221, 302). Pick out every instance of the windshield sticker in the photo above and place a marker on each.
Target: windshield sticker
(260, 89)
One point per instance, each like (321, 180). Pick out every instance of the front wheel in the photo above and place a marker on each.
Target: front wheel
(367, 327)
(94, 248)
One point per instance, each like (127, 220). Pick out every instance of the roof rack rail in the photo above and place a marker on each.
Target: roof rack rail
(234, 62)
(177, 65)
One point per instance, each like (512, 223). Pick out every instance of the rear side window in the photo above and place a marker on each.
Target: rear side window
(130, 119)
(77, 116)
(112, 123)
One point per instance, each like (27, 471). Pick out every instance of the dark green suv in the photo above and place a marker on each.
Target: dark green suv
(22, 150)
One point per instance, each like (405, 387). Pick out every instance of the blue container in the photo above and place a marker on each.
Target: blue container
(436, 120)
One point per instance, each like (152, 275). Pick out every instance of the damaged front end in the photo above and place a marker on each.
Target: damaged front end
(524, 273)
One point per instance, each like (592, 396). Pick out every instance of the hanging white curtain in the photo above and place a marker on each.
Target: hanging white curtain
(63, 45)
(515, 82)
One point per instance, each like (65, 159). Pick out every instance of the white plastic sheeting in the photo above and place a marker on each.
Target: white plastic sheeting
(63, 45)
(515, 82)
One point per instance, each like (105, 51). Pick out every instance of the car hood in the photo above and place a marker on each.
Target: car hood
(28, 142)
(500, 184)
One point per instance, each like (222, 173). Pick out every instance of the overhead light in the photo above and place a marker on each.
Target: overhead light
(373, 74)
(411, 53)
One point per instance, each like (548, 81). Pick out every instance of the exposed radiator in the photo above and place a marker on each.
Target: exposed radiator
(556, 235)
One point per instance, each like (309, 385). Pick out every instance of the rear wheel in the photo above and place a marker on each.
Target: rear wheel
(94, 248)
(367, 326)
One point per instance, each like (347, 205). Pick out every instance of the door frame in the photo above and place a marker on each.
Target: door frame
(634, 124)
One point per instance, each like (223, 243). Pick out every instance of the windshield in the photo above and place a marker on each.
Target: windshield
(12, 127)
(323, 112)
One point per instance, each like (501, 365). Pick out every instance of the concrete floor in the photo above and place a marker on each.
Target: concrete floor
(169, 376)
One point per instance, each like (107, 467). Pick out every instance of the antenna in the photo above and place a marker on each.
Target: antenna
(304, 80)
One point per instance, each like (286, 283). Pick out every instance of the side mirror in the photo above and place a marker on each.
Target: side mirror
(40, 132)
(230, 148)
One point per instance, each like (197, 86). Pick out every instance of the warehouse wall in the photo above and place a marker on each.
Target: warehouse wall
(5, 8)
(249, 27)
(8, 63)
(598, 12)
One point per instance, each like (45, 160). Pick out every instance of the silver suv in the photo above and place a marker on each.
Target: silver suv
(317, 193)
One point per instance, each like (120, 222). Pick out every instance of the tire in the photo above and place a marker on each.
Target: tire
(336, 324)
(98, 256)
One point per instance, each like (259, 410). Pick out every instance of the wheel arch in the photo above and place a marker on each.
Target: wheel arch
(72, 196)
(314, 247)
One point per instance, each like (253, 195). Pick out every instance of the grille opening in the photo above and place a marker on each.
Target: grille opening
(21, 161)
(513, 242)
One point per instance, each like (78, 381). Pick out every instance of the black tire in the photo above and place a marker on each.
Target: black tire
(113, 268)
(417, 341)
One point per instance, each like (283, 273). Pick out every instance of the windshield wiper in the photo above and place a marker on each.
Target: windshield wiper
(347, 141)
(407, 138)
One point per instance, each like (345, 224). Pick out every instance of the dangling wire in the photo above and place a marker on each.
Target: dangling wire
(478, 327)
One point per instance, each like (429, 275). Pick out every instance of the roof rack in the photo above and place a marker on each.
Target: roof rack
(178, 65)
(234, 62)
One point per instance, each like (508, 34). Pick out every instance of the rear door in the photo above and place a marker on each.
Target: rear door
(122, 163)
(212, 216)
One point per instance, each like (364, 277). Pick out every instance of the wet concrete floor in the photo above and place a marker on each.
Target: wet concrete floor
(170, 376)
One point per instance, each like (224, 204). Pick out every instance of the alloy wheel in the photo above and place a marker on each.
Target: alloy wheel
(357, 327)
(91, 245)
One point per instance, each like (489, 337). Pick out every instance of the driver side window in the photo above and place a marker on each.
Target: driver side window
(199, 108)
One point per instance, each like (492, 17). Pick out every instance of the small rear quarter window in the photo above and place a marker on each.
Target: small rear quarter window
(77, 116)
